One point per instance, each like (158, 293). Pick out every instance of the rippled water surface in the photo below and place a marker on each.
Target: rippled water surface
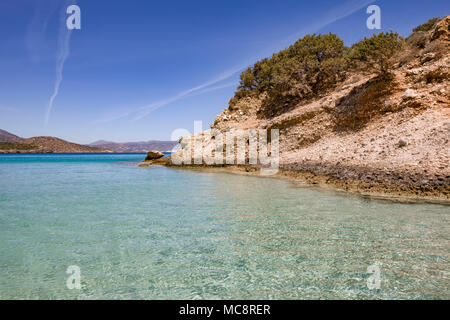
(159, 233)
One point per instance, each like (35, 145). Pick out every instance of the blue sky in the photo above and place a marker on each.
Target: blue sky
(137, 70)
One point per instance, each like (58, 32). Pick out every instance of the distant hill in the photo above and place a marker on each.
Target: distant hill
(10, 143)
(5, 136)
(142, 146)
(61, 146)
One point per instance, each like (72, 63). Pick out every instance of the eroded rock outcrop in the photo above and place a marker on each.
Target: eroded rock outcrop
(154, 155)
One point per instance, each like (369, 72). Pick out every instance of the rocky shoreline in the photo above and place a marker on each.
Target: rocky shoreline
(379, 184)
(390, 184)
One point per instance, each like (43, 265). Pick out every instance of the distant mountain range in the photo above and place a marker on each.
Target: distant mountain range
(5, 136)
(142, 146)
(10, 143)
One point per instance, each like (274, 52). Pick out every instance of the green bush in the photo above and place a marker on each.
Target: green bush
(427, 26)
(375, 53)
(315, 64)
(256, 78)
(312, 65)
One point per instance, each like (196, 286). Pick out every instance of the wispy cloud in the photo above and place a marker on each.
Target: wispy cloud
(63, 51)
(226, 85)
(143, 111)
(333, 15)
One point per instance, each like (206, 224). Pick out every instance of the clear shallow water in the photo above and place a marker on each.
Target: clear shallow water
(159, 233)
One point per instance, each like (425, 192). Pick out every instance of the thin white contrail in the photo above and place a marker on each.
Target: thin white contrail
(202, 88)
(144, 111)
(63, 51)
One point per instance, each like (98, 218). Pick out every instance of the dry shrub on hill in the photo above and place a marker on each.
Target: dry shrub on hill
(364, 103)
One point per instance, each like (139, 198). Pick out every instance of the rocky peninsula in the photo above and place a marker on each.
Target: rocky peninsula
(378, 133)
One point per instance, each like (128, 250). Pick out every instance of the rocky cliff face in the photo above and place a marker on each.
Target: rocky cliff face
(402, 147)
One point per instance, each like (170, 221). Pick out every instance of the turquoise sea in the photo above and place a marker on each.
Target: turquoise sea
(160, 233)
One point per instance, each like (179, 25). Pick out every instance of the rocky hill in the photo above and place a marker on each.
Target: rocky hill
(57, 145)
(136, 147)
(379, 132)
(10, 143)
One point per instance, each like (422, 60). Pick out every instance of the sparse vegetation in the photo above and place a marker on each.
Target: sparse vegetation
(427, 26)
(16, 146)
(312, 66)
(315, 64)
(363, 104)
(376, 52)
(418, 39)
